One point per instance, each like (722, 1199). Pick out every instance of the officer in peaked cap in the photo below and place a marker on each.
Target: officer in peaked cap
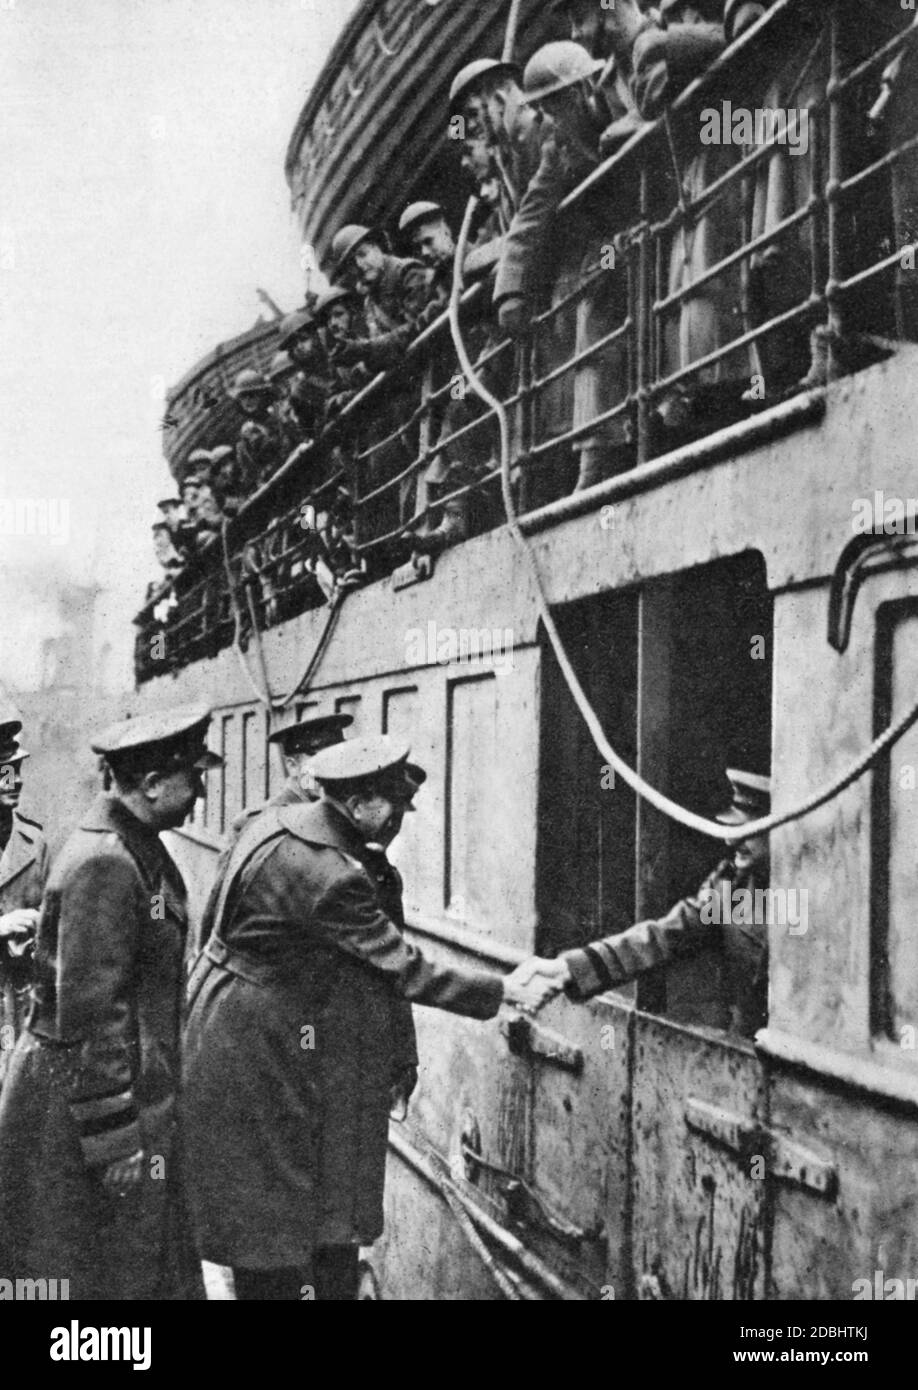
(90, 1164)
(319, 1039)
(10, 718)
(23, 874)
(299, 743)
(727, 912)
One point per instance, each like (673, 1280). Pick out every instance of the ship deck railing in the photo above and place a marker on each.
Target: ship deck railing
(849, 238)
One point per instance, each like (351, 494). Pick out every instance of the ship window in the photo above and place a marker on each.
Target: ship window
(586, 819)
(680, 676)
(254, 781)
(894, 941)
(705, 702)
(351, 704)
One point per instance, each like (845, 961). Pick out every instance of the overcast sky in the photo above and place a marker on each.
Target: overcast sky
(142, 149)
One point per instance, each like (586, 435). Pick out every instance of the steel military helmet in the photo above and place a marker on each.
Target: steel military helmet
(556, 66)
(335, 294)
(469, 77)
(292, 325)
(416, 213)
(346, 241)
(282, 364)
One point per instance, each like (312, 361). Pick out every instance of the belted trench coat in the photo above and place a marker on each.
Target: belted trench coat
(291, 1042)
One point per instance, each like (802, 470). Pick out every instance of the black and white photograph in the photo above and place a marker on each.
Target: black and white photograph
(458, 728)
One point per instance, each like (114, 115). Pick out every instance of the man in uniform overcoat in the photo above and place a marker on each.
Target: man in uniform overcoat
(23, 873)
(290, 1039)
(90, 1170)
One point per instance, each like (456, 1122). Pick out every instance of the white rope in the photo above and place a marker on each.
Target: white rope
(680, 814)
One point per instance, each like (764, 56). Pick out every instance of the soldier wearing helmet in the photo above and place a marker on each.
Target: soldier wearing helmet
(339, 319)
(259, 447)
(574, 95)
(394, 294)
(500, 135)
(663, 52)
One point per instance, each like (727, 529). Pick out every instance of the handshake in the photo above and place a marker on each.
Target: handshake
(534, 982)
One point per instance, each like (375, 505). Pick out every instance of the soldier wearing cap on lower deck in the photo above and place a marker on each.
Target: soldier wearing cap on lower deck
(23, 874)
(290, 1015)
(724, 911)
(91, 1184)
(225, 479)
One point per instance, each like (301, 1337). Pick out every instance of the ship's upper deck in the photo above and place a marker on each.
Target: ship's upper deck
(695, 288)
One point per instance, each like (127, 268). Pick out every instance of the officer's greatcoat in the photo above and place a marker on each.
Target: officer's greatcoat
(23, 874)
(291, 1040)
(94, 1076)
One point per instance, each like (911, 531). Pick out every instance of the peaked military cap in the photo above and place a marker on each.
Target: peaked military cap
(378, 761)
(198, 456)
(310, 735)
(10, 750)
(221, 454)
(470, 76)
(416, 213)
(168, 504)
(249, 383)
(732, 15)
(10, 718)
(750, 797)
(175, 737)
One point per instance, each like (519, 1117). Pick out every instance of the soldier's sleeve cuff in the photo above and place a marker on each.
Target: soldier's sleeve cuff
(108, 1126)
(589, 975)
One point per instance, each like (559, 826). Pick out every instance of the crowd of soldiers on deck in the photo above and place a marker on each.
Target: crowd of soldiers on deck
(524, 139)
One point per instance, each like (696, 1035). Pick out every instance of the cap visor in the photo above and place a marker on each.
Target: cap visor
(208, 761)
